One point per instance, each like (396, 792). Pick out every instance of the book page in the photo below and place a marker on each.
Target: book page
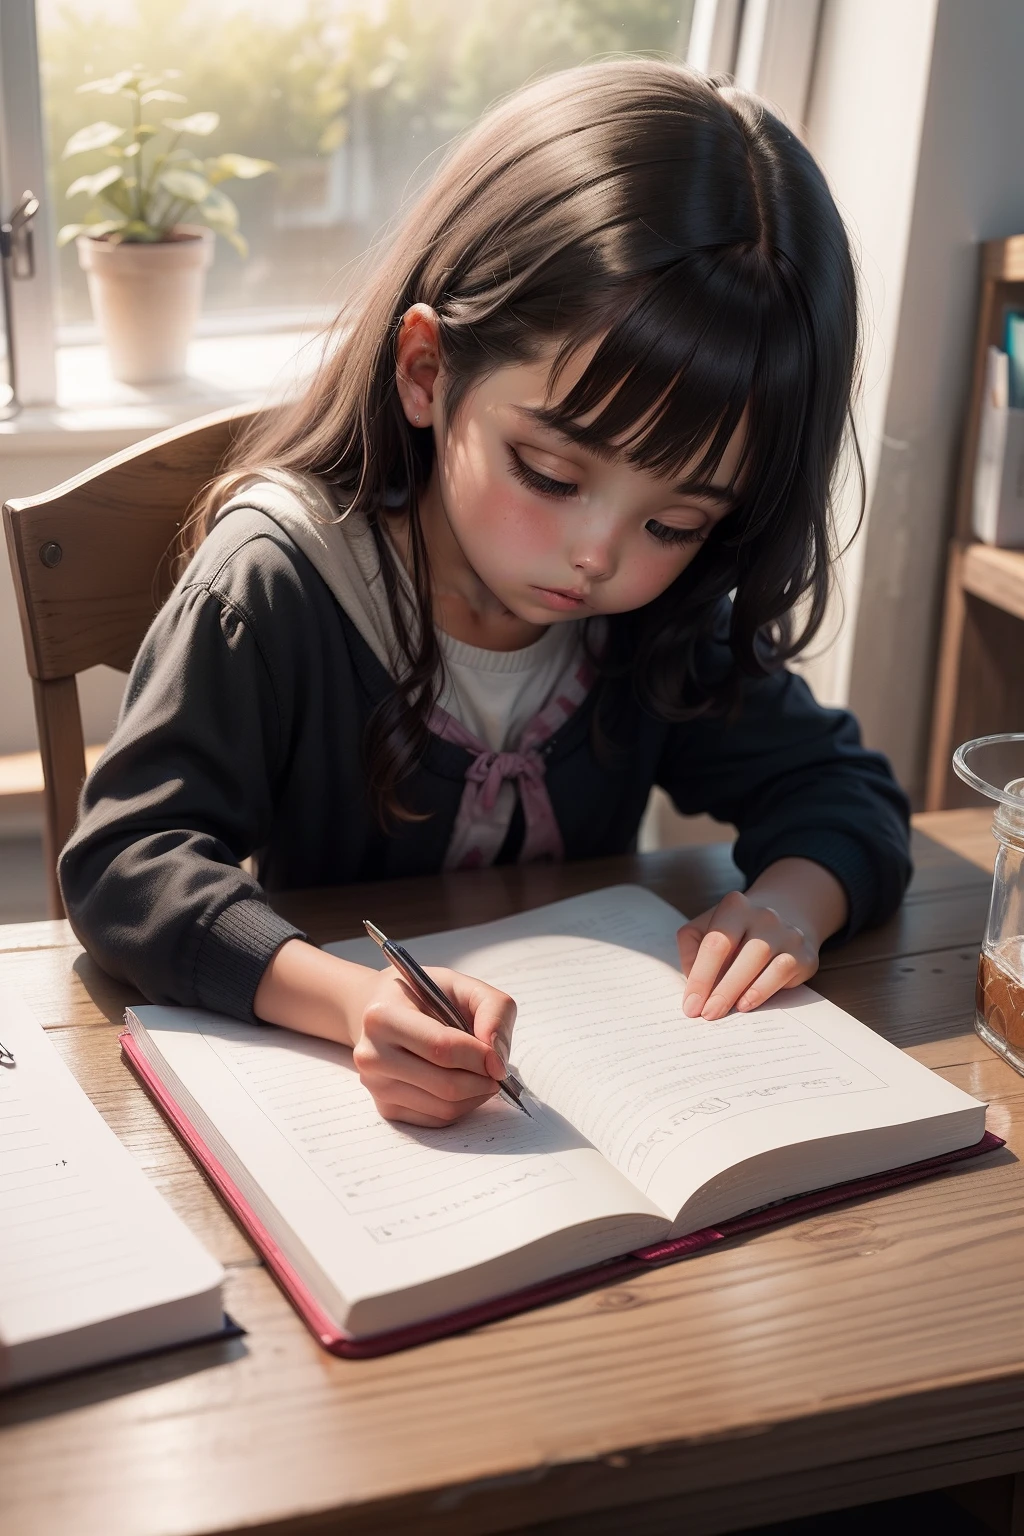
(381, 1207)
(671, 1102)
(84, 1237)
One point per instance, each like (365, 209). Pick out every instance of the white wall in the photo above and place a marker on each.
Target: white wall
(864, 119)
(970, 187)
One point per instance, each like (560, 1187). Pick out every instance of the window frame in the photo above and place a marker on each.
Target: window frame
(768, 45)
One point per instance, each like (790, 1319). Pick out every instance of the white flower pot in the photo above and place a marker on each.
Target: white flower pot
(146, 299)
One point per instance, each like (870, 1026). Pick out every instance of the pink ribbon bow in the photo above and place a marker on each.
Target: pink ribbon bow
(479, 833)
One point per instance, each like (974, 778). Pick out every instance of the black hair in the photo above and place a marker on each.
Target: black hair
(678, 224)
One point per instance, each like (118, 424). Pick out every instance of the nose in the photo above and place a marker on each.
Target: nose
(594, 553)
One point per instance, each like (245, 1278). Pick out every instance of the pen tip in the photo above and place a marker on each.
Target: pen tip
(374, 932)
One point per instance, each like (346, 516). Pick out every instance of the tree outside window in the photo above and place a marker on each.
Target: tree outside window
(353, 100)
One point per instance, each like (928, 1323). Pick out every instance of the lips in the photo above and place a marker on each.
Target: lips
(561, 597)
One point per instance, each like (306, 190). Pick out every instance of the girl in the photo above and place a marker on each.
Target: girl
(530, 542)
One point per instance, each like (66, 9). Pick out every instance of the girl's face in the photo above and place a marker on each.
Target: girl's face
(549, 529)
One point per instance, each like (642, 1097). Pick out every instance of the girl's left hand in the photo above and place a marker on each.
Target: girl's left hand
(748, 947)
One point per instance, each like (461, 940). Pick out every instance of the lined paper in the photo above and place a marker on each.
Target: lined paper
(673, 1102)
(398, 1181)
(376, 1206)
(83, 1235)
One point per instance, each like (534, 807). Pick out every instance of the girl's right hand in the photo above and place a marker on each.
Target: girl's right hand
(423, 1072)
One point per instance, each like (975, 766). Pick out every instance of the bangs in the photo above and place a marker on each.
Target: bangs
(712, 336)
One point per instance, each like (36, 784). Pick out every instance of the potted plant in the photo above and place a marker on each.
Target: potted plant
(145, 267)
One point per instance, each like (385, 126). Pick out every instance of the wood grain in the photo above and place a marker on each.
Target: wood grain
(114, 526)
(92, 560)
(869, 1350)
(62, 749)
(997, 575)
(967, 832)
(978, 693)
(945, 905)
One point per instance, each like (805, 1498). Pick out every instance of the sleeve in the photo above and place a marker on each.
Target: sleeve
(151, 876)
(796, 781)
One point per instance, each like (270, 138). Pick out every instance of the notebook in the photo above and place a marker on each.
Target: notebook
(651, 1135)
(94, 1264)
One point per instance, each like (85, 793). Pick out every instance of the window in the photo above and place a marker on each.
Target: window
(353, 100)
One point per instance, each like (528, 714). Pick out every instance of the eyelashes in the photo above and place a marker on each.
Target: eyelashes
(537, 482)
(674, 535)
(546, 486)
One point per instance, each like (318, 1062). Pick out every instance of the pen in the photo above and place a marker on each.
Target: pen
(435, 1002)
(6, 1056)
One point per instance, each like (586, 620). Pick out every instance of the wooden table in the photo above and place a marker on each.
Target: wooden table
(872, 1350)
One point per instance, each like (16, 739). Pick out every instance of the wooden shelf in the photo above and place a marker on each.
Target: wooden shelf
(979, 686)
(1002, 261)
(997, 577)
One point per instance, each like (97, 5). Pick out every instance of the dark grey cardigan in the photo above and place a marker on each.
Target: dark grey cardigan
(242, 731)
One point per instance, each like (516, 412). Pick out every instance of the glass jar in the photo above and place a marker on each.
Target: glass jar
(994, 765)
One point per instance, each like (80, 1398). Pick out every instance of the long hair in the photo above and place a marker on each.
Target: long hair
(684, 229)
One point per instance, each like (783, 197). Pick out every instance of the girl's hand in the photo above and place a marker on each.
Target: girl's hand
(748, 947)
(421, 1071)
(417, 1070)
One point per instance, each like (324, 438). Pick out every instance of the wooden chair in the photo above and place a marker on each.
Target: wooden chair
(91, 561)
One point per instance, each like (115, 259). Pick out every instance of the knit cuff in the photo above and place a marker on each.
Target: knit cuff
(844, 857)
(237, 948)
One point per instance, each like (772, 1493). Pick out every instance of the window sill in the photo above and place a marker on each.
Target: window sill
(96, 412)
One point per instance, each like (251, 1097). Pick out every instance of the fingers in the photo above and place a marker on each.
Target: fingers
(493, 1014)
(746, 953)
(423, 1072)
(404, 1101)
(690, 937)
(784, 971)
(725, 930)
(751, 959)
(400, 1042)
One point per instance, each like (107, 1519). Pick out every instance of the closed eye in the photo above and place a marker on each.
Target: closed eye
(545, 484)
(666, 535)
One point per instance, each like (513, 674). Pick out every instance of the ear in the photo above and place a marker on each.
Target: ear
(417, 365)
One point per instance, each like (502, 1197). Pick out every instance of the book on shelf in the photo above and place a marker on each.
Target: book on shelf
(651, 1135)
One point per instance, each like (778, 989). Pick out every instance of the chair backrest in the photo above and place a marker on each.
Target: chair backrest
(91, 561)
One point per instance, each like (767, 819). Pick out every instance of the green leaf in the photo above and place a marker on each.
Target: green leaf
(141, 232)
(119, 196)
(160, 95)
(184, 184)
(104, 227)
(110, 86)
(95, 184)
(239, 242)
(96, 136)
(199, 122)
(219, 212)
(220, 167)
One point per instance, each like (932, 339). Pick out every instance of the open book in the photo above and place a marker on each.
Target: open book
(94, 1264)
(645, 1126)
